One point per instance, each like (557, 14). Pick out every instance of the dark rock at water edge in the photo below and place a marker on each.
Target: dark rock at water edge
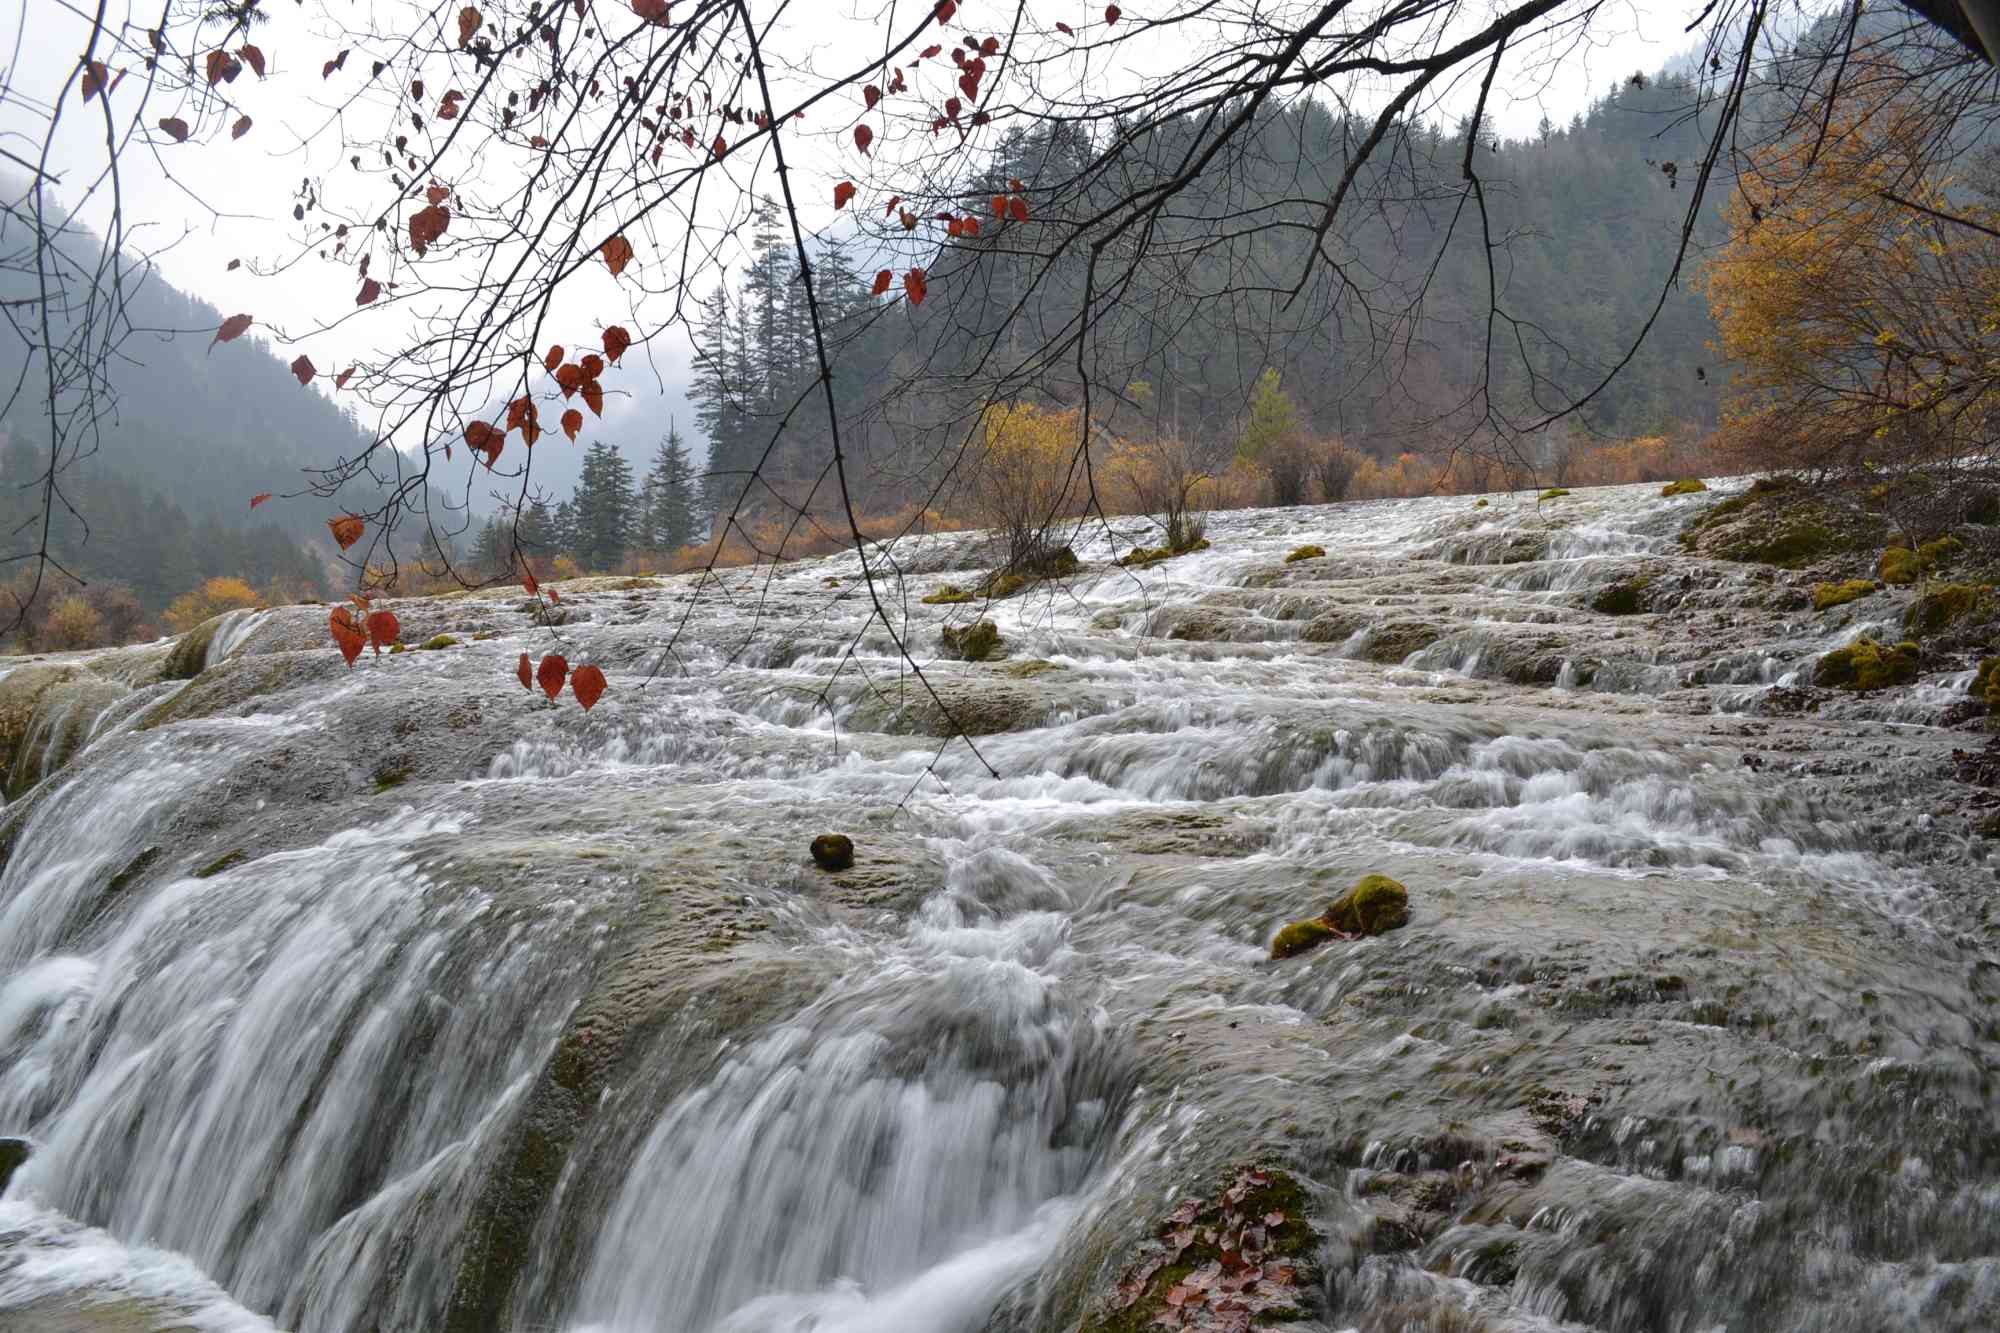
(833, 851)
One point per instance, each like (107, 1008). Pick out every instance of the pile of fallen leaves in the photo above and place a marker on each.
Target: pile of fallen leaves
(1230, 1264)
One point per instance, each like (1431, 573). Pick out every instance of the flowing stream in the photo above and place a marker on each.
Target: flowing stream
(401, 999)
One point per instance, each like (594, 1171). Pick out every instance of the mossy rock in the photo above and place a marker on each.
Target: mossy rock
(1867, 665)
(1253, 1238)
(1554, 493)
(1389, 644)
(234, 857)
(1828, 595)
(1141, 556)
(1986, 685)
(974, 643)
(1623, 598)
(46, 714)
(1034, 666)
(1480, 504)
(190, 651)
(1944, 604)
(1938, 553)
(1685, 486)
(999, 586)
(949, 595)
(1898, 566)
(1306, 552)
(1376, 904)
(437, 641)
(833, 852)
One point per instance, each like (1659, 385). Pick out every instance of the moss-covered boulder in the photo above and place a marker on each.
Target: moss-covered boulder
(1623, 598)
(1376, 904)
(833, 852)
(439, 641)
(1986, 685)
(1306, 552)
(1867, 665)
(1244, 1258)
(1139, 557)
(1944, 604)
(1481, 503)
(1554, 493)
(949, 595)
(972, 643)
(1825, 596)
(1685, 486)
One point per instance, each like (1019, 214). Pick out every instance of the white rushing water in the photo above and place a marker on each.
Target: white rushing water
(399, 999)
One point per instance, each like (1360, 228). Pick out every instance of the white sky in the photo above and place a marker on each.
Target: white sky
(245, 187)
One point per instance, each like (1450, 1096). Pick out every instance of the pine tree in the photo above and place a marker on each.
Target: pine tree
(669, 493)
(604, 509)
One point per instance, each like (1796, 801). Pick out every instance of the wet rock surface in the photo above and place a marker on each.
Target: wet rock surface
(400, 997)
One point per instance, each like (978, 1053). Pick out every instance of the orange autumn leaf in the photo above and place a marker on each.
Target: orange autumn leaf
(843, 194)
(232, 329)
(617, 254)
(593, 396)
(526, 671)
(348, 636)
(302, 367)
(616, 340)
(587, 684)
(347, 529)
(551, 674)
(383, 630)
(572, 422)
(915, 284)
(259, 498)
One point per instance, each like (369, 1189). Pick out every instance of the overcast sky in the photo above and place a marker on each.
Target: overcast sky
(233, 199)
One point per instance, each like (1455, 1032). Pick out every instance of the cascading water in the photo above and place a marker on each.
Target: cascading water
(396, 999)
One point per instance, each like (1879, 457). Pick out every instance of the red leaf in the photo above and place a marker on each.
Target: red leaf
(346, 530)
(569, 378)
(95, 77)
(592, 365)
(572, 422)
(551, 674)
(1111, 13)
(529, 582)
(370, 289)
(617, 254)
(863, 136)
(426, 225)
(222, 68)
(999, 205)
(233, 265)
(553, 359)
(990, 46)
(176, 128)
(253, 57)
(348, 636)
(721, 146)
(593, 396)
(520, 412)
(256, 500)
(945, 9)
(240, 128)
(232, 329)
(484, 437)
(843, 194)
(587, 684)
(538, 142)
(653, 11)
(326, 70)
(437, 194)
(928, 52)
(555, 596)
(340, 380)
(871, 95)
(1017, 209)
(469, 20)
(1065, 29)
(882, 281)
(1015, 186)
(383, 630)
(527, 674)
(616, 340)
(914, 284)
(890, 207)
(302, 366)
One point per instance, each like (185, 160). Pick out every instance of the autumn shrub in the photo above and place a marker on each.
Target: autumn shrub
(1334, 467)
(212, 598)
(1169, 476)
(1029, 479)
(72, 623)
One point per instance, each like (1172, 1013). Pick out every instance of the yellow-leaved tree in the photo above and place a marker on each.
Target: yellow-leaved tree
(1859, 299)
(1029, 478)
(210, 599)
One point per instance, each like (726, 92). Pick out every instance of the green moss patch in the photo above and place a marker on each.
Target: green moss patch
(1828, 595)
(1374, 905)
(1867, 665)
(974, 643)
(949, 595)
(438, 641)
(1141, 556)
(1685, 486)
(1943, 604)
(1237, 1261)
(1554, 493)
(1307, 552)
(234, 857)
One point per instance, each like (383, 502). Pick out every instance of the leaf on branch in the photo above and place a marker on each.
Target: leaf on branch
(253, 56)
(587, 684)
(538, 142)
(551, 674)
(383, 630)
(240, 128)
(482, 437)
(914, 284)
(592, 365)
(302, 366)
(232, 266)
(326, 70)
(653, 11)
(222, 68)
(520, 412)
(347, 529)
(469, 20)
(1065, 29)
(572, 422)
(176, 128)
(569, 378)
(370, 289)
(256, 500)
(526, 671)
(95, 78)
(945, 9)
(882, 281)
(863, 136)
(340, 380)
(928, 52)
(616, 340)
(448, 106)
(999, 205)
(909, 220)
(553, 359)
(870, 96)
(232, 328)
(843, 194)
(720, 147)
(1017, 209)
(617, 254)
(347, 635)
(593, 396)
(427, 225)
(1111, 13)
(437, 194)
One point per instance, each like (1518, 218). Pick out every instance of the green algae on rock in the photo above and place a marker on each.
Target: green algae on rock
(949, 595)
(1374, 905)
(1828, 595)
(973, 643)
(1943, 604)
(1867, 665)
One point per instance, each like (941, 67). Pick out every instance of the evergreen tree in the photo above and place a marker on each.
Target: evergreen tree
(669, 490)
(604, 505)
